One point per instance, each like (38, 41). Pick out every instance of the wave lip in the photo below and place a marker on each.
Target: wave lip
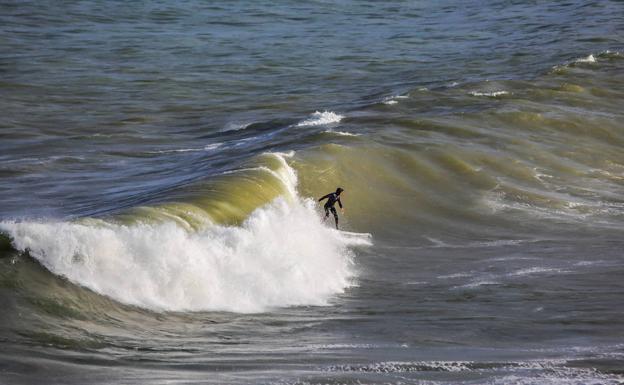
(321, 118)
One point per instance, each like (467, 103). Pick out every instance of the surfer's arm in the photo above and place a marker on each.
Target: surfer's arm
(339, 202)
(324, 197)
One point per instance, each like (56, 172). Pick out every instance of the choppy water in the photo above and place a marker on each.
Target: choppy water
(159, 164)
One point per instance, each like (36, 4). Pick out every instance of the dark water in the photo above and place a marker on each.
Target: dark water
(159, 163)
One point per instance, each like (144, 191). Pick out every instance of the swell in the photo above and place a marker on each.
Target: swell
(515, 158)
(540, 159)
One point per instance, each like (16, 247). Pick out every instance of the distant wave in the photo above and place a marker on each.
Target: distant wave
(207, 147)
(233, 126)
(321, 118)
(340, 133)
(589, 59)
(491, 94)
(539, 270)
(537, 371)
(390, 100)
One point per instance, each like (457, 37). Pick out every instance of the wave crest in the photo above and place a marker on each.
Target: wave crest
(321, 118)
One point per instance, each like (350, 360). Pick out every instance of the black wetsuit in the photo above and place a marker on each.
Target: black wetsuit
(332, 198)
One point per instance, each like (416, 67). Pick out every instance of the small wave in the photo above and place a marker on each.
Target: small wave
(390, 100)
(235, 126)
(588, 59)
(321, 118)
(541, 371)
(405, 367)
(208, 147)
(455, 275)
(357, 346)
(477, 283)
(592, 263)
(43, 161)
(591, 58)
(340, 133)
(538, 270)
(478, 244)
(492, 94)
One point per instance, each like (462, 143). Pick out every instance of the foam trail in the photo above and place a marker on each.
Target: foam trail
(281, 255)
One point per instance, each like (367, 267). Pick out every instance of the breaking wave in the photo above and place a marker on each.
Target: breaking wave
(321, 118)
(281, 255)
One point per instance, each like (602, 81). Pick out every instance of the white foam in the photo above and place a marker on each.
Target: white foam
(405, 367)
(589, 59)
(591, 263)
(541, 371)
(390, 100)
(453, 276)
(282, 255)
(208, 147)
(321, 118)
(477, 283)
(236, 126)
(340, 133)
(538, 270)
(491, 94)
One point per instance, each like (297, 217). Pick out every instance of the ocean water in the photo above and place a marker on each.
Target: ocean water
(160, 163)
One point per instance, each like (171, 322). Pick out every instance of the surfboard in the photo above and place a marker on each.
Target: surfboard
(357, 238)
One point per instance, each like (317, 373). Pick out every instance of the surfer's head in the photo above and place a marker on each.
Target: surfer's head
(339, 190)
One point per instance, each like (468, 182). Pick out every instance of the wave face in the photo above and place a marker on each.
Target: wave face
(538, 157)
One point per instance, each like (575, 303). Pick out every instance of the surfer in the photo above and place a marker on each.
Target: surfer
(332, 198)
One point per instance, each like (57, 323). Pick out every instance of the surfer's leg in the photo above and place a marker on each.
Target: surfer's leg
(326, 212)
(333, 210)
